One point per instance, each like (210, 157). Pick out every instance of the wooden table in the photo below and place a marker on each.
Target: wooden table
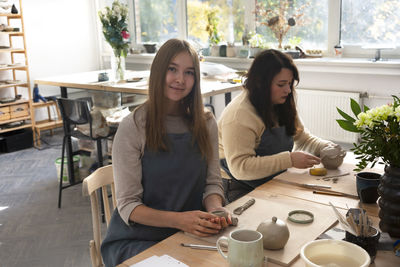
(89, 81)
(193, 257)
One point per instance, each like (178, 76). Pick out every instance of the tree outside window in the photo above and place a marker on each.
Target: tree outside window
(230, 16)
(155, 20)
(283, 22)
(374, 22)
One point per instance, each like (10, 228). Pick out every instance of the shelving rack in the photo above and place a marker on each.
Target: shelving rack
(20, 110)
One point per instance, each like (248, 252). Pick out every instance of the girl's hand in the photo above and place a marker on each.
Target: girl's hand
(224, 221)
(303, 160)
(198, 223)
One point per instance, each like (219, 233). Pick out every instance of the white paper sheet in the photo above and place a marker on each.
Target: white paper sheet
(163, 261)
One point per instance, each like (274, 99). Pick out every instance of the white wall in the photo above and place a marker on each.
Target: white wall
(61, 38)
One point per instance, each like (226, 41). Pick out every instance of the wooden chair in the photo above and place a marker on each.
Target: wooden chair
(102, 179)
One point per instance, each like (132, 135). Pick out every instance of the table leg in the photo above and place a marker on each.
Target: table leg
(67, 126)
(228, 97)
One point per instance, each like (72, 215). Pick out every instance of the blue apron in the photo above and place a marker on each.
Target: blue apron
(172, 181)
(273, 141)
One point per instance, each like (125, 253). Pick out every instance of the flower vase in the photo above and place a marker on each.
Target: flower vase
(389, 202)
(117, 68)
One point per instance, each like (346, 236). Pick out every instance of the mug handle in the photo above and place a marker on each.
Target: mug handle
(222, 238)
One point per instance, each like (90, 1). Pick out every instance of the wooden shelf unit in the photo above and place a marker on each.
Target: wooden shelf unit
(20, 110)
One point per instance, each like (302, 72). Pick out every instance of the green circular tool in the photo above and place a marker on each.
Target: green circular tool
(300, 216)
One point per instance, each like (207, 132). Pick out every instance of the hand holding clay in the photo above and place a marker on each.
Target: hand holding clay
(198, 223)
(227, 216)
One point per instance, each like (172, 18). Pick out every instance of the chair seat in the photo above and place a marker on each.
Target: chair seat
(78, 133)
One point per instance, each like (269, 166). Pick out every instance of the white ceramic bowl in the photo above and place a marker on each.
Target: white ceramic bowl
(334, 253)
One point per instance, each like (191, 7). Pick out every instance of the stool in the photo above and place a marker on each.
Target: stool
(48, 124)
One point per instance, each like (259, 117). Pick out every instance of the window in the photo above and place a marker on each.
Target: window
(292, 22)
(155, 20)
(370, 23)
(229, 15)
(318, 24)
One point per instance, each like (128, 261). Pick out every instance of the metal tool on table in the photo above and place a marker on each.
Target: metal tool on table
(203, 247)
(245, 206)
(311, 186)
(318, 188)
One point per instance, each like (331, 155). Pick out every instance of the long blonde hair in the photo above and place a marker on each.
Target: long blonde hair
(192, 104)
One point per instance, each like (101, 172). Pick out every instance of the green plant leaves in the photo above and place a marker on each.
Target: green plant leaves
(355, 107)
(348, 126)
(345, 115)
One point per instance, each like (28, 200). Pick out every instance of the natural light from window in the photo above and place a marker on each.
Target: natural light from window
(310, 24)
(373, 22)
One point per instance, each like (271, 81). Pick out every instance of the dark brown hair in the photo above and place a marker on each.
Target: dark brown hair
(192, 104)
(265, 67)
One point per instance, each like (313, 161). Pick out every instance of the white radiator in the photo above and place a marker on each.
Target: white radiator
(317, 109)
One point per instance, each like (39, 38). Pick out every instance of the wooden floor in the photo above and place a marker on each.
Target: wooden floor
(33, 231)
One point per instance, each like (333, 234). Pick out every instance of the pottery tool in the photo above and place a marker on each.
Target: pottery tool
(133, 80)
(343, 222)
(330, 193)
(245, 206)
(310, 186)
(203, 247)
(328, 177)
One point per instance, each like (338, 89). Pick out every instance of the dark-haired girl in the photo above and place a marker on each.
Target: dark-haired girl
(260, 132)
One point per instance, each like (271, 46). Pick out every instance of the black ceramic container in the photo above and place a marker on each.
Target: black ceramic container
(389, 202)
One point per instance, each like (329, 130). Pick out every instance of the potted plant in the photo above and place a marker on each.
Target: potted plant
(379, 130)
(257, 43)
(115, 30)
(279, 17)
(212, 30)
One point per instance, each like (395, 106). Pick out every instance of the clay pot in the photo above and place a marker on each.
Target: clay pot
(275, 233)
(332, 156)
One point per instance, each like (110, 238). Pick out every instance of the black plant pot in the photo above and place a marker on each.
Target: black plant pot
(389, 203)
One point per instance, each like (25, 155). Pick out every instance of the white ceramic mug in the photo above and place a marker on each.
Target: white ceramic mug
(245, 248)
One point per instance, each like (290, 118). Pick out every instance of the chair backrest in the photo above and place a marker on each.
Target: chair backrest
(75, 111)
(102, 179)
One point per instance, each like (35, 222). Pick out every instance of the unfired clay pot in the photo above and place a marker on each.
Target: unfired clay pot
(275, 233)
(332, 157)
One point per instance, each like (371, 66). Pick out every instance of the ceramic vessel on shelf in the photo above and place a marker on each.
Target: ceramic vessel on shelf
(275, 233)
(214, 52)
(389, 202)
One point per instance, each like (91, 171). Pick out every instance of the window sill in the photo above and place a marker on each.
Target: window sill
(389, 67)
(349, 65)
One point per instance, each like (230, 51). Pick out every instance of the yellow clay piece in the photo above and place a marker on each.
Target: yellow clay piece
(318, 171)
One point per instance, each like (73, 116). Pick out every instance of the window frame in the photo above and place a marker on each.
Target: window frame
(334, 13)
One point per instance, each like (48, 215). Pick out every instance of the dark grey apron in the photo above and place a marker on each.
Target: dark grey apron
(273, 141)
(173, 181)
